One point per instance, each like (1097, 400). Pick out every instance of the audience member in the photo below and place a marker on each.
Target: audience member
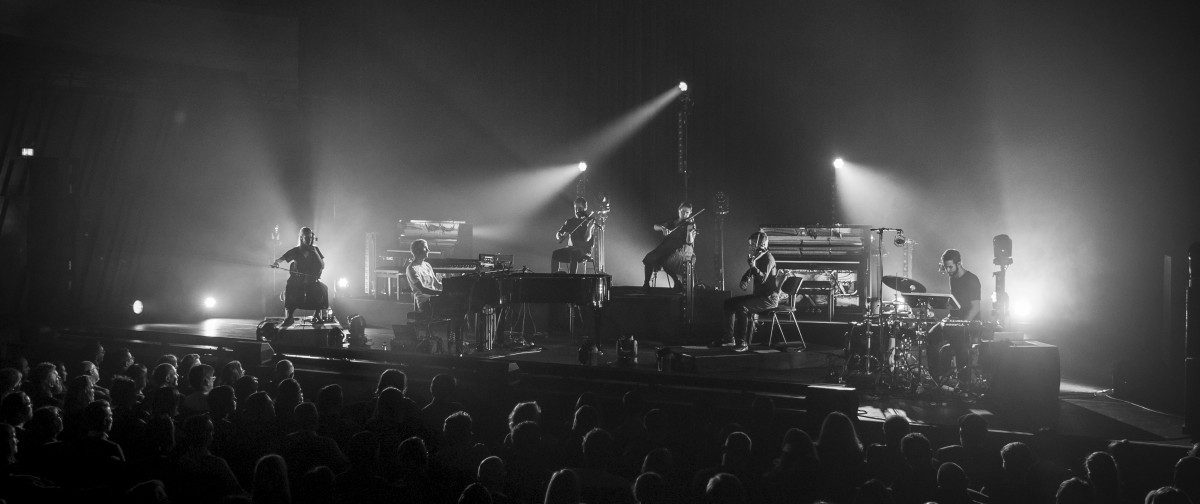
(563, 488)
(271, 481)
(200, 382)
(305, 450)
(198, 475)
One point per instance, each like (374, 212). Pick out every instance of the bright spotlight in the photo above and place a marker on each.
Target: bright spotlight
(582, 166)
(838, 163)
(210, 302)
(137, 307)
(343, 283)
(682, 86)
(27, 151)
(1022, 309)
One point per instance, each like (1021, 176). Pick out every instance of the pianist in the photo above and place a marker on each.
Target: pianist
(424, 283)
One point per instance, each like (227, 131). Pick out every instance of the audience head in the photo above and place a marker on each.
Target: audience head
(649, 488)
(271, 480)
(916, 448)
(1167, 495)
(631, 403)
(284, 370)
(458, 428)
(196, 433)
(394, 378)
(736, 449)
(221, 402)
(98, 418)
(597, 448)
(45, 425)
(117, 361)
(1074, 491)
(231, 372)
(389, 406)
(655, 423)
(798, 450)
(200, 378)
(169, 359)
(659, 461)
(316, 485)
(951, 478)
(1102, 471)
(88, 369)
(10, 379)
(44, 380)
(139, 374)
(1187, 476)
(15, 409)
(475, 493)
(363, 450)
(586, 418)
(838, 435)
(8, 443)
(563, 488)
(329, 399)
(260, 409)
(1017, 458)
(442, 387)
(93, 351)
(124, 393)
(187, 363)
(587, 399)
(80, 393)
(164, 375)
(413, 457)
(527, 436)
(491, 472)
(147, 492)
(289, 393)
(164, 401)
(306, 416)
(724, 488)
(874, 491)
(895, 427)
(972, 430)
(244, 387)
(528, 411)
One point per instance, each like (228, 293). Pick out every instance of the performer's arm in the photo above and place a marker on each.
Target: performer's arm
(562, 231)
(973, 311)
(414, 281)
(286, 257)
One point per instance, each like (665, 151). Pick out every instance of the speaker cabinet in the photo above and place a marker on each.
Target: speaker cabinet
(1024, 382)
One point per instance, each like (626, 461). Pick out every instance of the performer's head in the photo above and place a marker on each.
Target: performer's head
(757, 241)
(951, 262)
(306, 236)
(419, 248)
(685, 210)
(580, 205)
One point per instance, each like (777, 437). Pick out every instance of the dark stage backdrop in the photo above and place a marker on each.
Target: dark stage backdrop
(1069, 126)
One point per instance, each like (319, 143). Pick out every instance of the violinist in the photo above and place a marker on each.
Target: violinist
(675, 250)
(761, 279)
(580, 233)
(304, 289)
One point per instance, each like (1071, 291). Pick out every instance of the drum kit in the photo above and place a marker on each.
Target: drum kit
(903, 347)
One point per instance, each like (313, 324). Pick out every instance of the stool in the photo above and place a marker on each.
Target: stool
(426, 321)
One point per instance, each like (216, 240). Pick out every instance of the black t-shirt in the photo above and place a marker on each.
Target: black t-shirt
(306, 259)
(965, 290)
(582, 237)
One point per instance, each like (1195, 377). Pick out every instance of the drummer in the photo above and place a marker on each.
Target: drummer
(955, 341)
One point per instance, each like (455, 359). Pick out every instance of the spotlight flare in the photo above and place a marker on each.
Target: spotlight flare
(683, 86)
(210, 302)
(582, 166)
(839, 163)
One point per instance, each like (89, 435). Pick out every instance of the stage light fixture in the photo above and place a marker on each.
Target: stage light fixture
(343, 283)
(838, 163)
(137, 307)
(683, 86)
(27, 151)
(582, 166)
(210, 302)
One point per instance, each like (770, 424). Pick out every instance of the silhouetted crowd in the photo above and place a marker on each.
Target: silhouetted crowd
(185, 431)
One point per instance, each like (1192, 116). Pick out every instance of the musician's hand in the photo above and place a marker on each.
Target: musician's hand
(745, 285)
(659, 227)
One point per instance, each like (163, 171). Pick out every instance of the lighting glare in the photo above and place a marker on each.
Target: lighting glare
(838, 163)
(1022, 309)
(682, 86)
(582, 166)
(210, 302)
(343, 283)
(137, 307)
(27, 151)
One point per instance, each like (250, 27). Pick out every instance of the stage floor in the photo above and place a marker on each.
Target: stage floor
(1084, 410)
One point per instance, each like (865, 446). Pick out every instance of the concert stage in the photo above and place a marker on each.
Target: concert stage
(798, 380)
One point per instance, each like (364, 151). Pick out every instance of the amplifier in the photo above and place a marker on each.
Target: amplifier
(1024, 382)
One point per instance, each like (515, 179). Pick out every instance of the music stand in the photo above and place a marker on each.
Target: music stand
(931, 300)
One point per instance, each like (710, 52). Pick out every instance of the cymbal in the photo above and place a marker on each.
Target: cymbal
(902, 284)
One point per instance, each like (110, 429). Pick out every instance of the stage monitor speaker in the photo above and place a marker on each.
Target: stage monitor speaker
(1025, 382)
(329, 335)
(253, 354)
(821, 400)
